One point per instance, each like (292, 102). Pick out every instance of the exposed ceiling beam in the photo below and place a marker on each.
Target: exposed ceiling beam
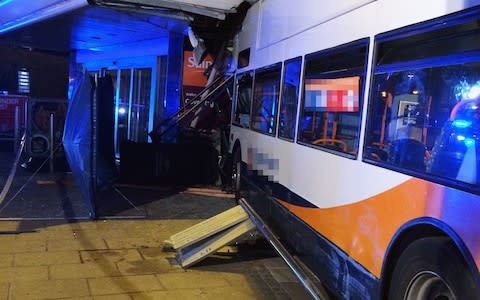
(209, 11)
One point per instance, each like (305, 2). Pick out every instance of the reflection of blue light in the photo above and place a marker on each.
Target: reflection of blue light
(474, 92)
(461, 123)
(469, 142)
(2, 3)
(465, 91)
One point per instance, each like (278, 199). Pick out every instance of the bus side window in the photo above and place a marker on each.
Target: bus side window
(399, 120)
(265, 99)
(330, 110)
(426, 118)
(289, 101)
(244, 99)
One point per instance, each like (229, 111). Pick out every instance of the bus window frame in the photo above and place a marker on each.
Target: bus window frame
(298, 102)
(260, 70)
(360, 43)
(234, 111)
(429, 62)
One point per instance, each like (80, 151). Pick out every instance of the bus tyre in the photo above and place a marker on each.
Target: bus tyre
(236, 172)
(432, 268)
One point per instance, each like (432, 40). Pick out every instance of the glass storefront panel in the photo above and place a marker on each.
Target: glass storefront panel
(140, 105)
(122, 109)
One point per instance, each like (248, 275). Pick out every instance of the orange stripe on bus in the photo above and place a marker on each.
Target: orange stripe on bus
(364, 229)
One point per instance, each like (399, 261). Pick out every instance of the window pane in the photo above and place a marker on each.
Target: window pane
(23, 81)
(288, 104)
(428, 120)
(244, 99)
(140, 105)
(113, 74)
(244, 58)
(462, 38)
(330, 115)
(123, 108)
(265, 100)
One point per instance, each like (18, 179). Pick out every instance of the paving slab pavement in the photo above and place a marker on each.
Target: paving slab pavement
(125, 259)
(50, 250)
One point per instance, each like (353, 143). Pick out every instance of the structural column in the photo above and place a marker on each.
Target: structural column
(174, 73)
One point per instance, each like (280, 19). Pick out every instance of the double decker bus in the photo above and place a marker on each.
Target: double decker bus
(356, 138)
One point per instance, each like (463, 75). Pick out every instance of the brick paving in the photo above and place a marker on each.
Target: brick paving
(125, 259)
(50, 250)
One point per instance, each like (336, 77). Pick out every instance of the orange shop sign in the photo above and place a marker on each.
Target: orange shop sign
(193, 75)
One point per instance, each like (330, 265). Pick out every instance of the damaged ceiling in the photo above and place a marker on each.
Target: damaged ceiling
(93, 25)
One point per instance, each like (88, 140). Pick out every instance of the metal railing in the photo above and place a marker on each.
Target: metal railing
(173, 120)
(313, 287)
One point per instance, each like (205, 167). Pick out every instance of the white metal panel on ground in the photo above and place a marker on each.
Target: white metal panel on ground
(205, 238)
(207, 228)
(190, 255)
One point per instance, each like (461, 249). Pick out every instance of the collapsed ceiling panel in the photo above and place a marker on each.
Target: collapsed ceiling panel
(211, 8)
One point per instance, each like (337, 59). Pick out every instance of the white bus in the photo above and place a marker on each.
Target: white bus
(355, 134)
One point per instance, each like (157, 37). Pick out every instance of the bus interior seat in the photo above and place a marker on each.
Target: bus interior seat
(333, 144)
(377, 153)
(408, 153)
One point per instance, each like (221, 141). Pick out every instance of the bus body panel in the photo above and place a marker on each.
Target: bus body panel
(354, 207)
(362, 206)
(366, 21)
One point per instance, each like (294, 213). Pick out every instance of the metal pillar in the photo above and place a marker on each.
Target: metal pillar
(52, 141)
(16, 130)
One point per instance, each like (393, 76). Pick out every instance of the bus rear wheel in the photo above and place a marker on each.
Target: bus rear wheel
(432, 269)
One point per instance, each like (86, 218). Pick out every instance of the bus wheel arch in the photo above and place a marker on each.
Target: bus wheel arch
(411, 239)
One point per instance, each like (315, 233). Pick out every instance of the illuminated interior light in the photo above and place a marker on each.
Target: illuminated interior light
(415, 92)
(23, 81)
(122, 110)
(460, 138)
(383, 94)
(465, 91)
(469, 142)
(461, 123)
(474, 92)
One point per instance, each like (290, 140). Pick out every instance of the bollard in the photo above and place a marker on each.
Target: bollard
(16, 130)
